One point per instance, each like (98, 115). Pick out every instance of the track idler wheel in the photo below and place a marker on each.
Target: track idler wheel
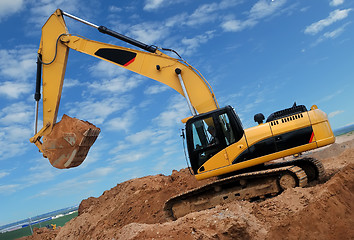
(287, 181)
(68, 143)
(293, 177)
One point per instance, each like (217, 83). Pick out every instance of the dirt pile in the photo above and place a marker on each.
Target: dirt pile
(134, 201)
(43, 233)
(133, 209)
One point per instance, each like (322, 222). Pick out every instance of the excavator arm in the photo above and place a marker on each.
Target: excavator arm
(67, 148)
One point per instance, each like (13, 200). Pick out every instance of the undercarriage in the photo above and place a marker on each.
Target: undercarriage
(256, 185)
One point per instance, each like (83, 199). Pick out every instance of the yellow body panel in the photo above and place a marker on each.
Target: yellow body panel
(291, 123)
(257, 133)
(220, 160)
(323, 134)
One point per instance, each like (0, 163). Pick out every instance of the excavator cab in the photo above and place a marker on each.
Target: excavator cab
(211, 132)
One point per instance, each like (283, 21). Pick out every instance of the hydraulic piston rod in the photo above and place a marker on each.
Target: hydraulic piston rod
(191, 108)
(112, 33)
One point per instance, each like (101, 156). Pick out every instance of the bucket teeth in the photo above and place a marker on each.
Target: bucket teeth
(90, 137)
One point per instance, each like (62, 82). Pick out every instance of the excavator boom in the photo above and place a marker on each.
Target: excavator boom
(64, 148)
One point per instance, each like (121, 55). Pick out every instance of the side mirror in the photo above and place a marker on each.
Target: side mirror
(258, 118)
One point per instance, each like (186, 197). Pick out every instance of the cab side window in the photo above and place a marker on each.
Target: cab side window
(226, 129)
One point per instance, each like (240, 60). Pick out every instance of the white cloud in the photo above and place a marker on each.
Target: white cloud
(154, 32)
(208, 12)
(115, 9)
(153, 4)
(15, 141)
(204, 13)
(99, 172)
(193, 43)
(18, 63)
(65, 188)
(160, 166)
(333, 17)
(9, 7)
(148, 32)
(331, 35)
(166, 124)
(335, 113)
(264, 8)
(4, 174)
(334, 33)
(155, 89)
(176, 20)
(121, 145)
(42, 9)
(96, 112)
(116, 85)
(259, 10)
(113, 78)
(330, 97)
(17, 129)
(68, 83)
(304, 9)
(233, 25)
(15, 134)
(142, 136)
(16, 113)
(106, 70)
(41, 175)
(8, 189)
(122, 123)
(176, 111)
(130, 157)
(336, 2)
(14, 89)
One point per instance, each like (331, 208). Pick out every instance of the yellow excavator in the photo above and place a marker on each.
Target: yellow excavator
(217, 144)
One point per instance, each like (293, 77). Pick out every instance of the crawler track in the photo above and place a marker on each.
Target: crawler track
(313, 168)
(246, 186)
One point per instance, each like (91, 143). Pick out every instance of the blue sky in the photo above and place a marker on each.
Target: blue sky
(259, 56)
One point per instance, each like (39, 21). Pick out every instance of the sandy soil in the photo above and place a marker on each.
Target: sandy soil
(133, 209)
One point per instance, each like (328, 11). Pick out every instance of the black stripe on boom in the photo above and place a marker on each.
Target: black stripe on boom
(121, 57)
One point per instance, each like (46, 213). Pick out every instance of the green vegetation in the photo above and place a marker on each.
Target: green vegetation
(27, 231)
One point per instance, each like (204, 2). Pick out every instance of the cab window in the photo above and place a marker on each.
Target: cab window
(204, 133)
(228, 133)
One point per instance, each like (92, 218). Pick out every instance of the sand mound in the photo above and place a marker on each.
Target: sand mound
(133, 209)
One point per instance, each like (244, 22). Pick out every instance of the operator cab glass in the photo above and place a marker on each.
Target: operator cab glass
(209, 133)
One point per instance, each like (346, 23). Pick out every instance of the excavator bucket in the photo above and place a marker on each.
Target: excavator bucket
(68, 143)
